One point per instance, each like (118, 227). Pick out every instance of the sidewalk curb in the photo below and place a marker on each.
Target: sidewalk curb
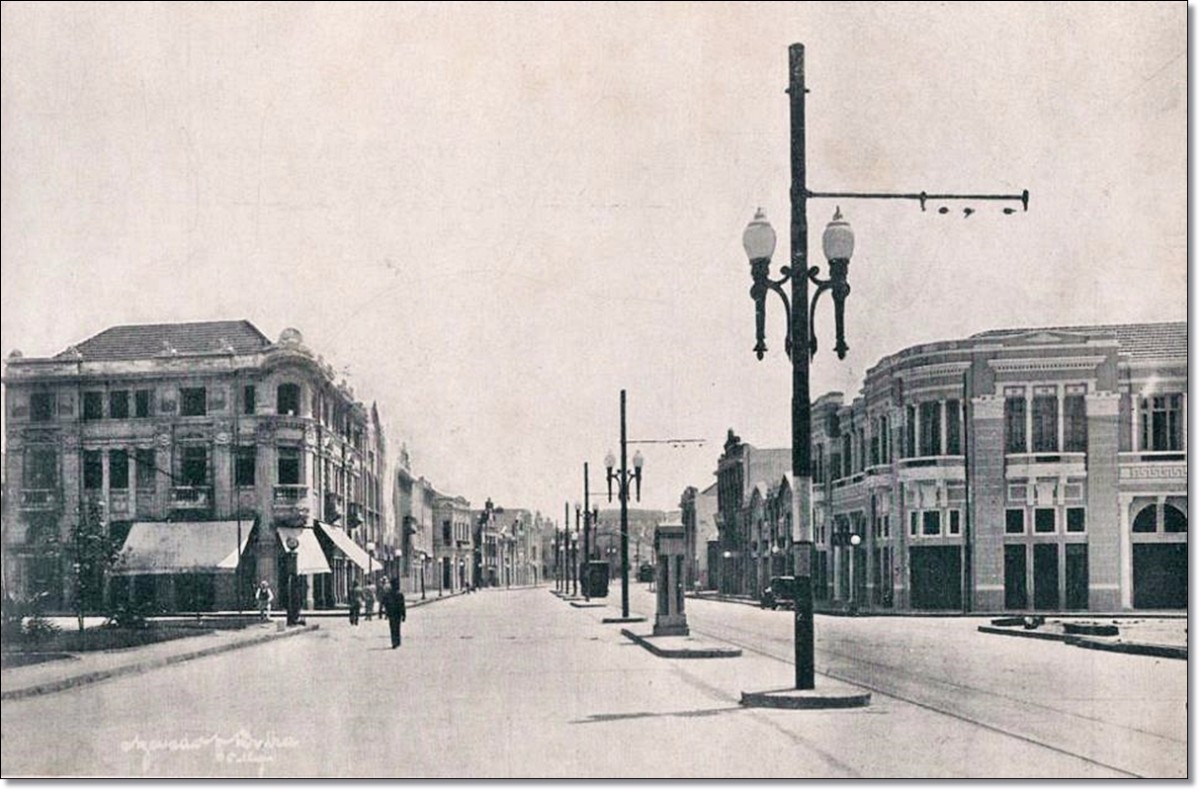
(1026, 633)
(1143, 649)
(1094, 643)
(141, 667)
(682, 653)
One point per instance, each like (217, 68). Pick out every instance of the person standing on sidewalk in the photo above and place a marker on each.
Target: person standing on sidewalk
(369, 600)
(356, 599)
(263, 597)
(393, 604)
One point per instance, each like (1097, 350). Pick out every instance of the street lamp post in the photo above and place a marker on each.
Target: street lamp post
(293, 604)
(624, 476)
(587, 516)
(801, 344)
(855, 540)
(574, 562)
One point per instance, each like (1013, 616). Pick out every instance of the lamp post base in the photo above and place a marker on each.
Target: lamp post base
(832, 695)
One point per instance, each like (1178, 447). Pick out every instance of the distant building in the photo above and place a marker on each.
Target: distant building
(213, 454)
(698, 513)
(452, 545)
(741, 469)
(1015, 470)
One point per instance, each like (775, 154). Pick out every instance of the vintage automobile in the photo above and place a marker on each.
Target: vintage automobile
(780, 593)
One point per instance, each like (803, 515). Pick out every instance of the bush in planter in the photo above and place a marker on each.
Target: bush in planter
(39, 629)
(129, 616)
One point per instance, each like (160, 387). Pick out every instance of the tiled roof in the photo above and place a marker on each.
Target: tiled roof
(144, 341)
(1156, 341)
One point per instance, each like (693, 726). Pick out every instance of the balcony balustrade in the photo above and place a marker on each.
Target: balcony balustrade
(39, 499)
(191, 498)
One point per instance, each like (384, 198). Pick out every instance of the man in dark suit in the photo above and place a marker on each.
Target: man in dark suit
(393, 606)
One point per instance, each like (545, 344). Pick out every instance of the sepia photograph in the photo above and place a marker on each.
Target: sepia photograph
(594, 391)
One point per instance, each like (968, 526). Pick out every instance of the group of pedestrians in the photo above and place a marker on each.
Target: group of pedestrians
(362, 604)
(391, 606)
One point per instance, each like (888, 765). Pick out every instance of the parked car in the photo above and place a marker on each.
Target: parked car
(780, 593)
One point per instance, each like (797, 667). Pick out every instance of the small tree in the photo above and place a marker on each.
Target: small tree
(93, 552)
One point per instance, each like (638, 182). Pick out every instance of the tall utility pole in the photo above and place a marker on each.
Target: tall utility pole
(759, 240)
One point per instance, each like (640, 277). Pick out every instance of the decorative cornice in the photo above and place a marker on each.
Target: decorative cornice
(1073, 363)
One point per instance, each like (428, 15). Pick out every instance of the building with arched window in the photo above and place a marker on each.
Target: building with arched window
(214, 457)
(1014, 470)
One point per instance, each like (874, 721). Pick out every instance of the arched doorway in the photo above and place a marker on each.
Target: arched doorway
(1160, 562)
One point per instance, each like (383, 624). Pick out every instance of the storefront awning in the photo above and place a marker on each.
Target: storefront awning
(183, 547)
(357, 554)
(310, 558)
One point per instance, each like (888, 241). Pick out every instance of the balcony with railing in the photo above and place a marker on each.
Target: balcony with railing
(34, 500)
(1154, 466)
(191, 498)
(1047, 464)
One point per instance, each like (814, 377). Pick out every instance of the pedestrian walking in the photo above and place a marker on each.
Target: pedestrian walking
(369, 600)
(393, 605)
(263, 598)
(356, 600)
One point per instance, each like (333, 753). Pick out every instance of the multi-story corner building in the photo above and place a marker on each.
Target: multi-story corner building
(216, 456)
(1015, 470)
(740, 469)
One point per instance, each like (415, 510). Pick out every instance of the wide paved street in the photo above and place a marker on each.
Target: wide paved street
(519, 684)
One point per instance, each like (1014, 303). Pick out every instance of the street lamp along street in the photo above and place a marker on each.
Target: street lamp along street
(624, 476)
(837, 243)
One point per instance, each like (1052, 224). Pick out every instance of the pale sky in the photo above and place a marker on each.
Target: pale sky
(498, 216)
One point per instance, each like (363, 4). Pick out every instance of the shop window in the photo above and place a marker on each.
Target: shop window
(931, 523)
(1076, 523)
(955, 522)
(93, 470)
(246, 461)
(1043, 520)
(41, 407)
(914, 521)
(193, 401)
(1014, 425)
(141, 402)
(287, 399)
(93, 405)
(1014, 521)
(118, 469)
(118, 404)
(194, 465)
(248, 399)
(1162, 423)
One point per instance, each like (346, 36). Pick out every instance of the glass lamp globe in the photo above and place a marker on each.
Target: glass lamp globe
(759, 238)
(838, 239)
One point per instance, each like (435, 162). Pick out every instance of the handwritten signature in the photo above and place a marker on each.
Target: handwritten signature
(241, 747)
